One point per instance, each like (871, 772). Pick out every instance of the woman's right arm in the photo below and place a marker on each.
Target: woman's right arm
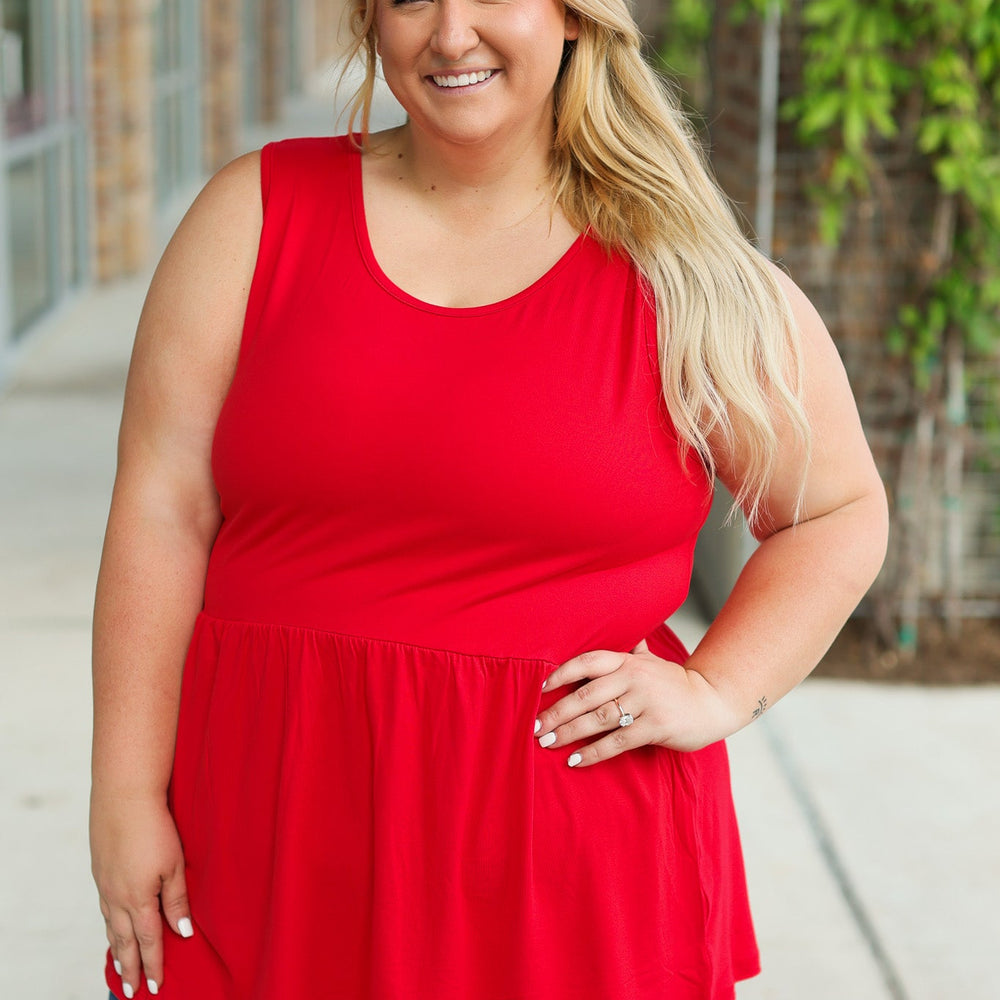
(163, 521)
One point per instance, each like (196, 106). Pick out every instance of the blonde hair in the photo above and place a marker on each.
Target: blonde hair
(628, 167)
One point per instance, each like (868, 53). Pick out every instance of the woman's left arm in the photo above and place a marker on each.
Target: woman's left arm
(790, 601)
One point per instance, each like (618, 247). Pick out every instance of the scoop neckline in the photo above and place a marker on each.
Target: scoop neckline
(388, 285)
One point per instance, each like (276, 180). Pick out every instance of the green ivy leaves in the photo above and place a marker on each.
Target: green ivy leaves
(929, 71)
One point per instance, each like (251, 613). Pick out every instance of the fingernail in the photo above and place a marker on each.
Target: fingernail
(545, 683)
(547, 740)
(184, 926)
(152, 987)
(538, 725)
(574, 759)
(118, 966)
(128, 991)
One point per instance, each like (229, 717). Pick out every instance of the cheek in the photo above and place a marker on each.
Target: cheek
(394, 49)
(397, 36)
(535, 41)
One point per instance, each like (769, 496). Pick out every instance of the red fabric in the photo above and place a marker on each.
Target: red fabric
(426, 510)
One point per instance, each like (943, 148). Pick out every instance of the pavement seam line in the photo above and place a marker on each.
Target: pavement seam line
(833, 861)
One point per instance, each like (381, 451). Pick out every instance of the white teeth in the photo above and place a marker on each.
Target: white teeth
(464, 79)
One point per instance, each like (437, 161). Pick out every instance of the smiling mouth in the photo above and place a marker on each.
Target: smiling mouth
(452, 80)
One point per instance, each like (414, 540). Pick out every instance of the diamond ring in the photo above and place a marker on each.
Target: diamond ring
(624, 718)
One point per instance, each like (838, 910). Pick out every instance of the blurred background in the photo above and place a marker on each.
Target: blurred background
(113, 109)
(860, 143)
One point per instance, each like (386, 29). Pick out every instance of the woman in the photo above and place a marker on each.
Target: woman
(411, 467)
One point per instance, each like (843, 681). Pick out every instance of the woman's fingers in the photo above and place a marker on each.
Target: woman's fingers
(604, 680)
(139, 871)
(668, 706)
(602, 719)
(595, 696)
(148, 928)
(615, 743)
(593, 663)
(125, 951)
(136, 941)
(174, 900)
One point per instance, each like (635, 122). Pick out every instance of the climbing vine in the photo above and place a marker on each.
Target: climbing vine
(915, 81)
(921, 77)
(929, 69)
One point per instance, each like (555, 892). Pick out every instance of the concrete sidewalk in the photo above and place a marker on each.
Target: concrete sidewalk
(871, 816)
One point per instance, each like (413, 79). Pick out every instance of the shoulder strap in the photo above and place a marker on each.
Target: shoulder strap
(305, 196)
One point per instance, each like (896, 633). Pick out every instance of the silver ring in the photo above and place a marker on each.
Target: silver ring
(624, 718)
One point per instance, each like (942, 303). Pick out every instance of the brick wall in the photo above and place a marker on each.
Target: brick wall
(734, 61)
(858, 286)
(273, 50)
(222, 71)
(104, 145)
(121, 135)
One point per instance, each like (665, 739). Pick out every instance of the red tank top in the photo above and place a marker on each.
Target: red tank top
(499, 479)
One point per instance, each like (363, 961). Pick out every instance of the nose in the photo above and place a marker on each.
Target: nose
(454, 32)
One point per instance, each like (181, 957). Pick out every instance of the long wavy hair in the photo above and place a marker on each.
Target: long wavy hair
(628, 167)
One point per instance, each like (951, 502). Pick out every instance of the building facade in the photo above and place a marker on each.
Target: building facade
(114, 108)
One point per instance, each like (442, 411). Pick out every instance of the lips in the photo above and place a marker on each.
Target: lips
(451, 81)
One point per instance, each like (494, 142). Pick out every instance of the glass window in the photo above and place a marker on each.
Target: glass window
(176, 101)
(27, 216)
(44, 153)
(21, 71)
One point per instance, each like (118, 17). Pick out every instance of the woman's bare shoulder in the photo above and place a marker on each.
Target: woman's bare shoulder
(223, 224)
(189, 332)
(199, 290)
(807, 318)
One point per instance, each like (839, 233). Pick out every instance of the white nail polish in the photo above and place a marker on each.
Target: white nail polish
(184, 926)
(118, 966)
(538, 725)
(152, 987)
(547, 740)
(574, 759)
(128, 991)
(544, 683)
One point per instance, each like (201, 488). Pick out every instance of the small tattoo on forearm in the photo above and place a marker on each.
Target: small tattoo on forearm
(760, 709)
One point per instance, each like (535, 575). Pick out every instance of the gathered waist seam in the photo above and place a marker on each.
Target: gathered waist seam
(211, 616)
